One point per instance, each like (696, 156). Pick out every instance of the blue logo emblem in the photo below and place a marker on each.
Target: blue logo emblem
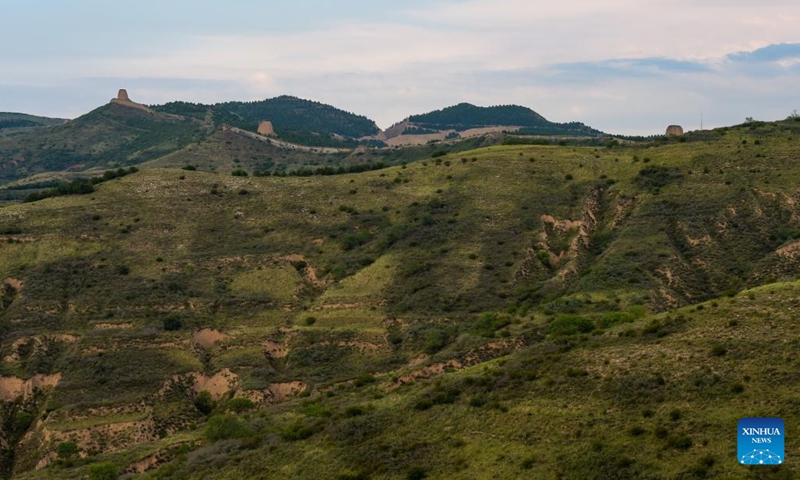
(761, 441)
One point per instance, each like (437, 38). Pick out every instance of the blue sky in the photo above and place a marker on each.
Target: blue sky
(620, 66)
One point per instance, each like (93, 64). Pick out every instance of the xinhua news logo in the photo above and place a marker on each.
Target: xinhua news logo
(761, 441)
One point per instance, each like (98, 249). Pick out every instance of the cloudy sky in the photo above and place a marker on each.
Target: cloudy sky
(629, 67)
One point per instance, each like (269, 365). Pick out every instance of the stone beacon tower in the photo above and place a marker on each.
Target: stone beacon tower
(124, 100)
(674, 131)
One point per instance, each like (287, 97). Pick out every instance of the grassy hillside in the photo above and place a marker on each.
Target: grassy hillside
(507, 312)
(108, 137)
(225, 151)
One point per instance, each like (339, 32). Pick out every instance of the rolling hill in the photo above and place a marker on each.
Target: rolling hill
(14, 122)
(465, 120)
(111, 136)
(510, 311)
(296, 120)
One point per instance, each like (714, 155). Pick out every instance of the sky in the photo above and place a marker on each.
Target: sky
(626, 67)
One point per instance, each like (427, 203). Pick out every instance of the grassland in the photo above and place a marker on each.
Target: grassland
(506, 312)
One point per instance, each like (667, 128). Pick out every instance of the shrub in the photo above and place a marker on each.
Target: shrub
(435, 340)
(417, 473)
(311, 321)
(67, 450)
(296, 431)
(488, 323)
(103, 471)
(190, 168)
(204, 403)
(438, 396)
(354, 411)
(239, 173)
(224, 427)
(718, 351)
(239, 405)
(681, 442)
(172, 323)
(356, 240)
(636, 431)
(616, 318)
(365, 379)
(569, 324)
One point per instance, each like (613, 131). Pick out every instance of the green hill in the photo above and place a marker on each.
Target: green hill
(505, 312)
(465, 116)
(15, 121)
(294, 119)
(108, 137)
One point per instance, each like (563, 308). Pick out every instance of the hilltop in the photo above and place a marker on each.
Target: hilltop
(14, 122)
(294, 119)
(515, 310)
(465, 120)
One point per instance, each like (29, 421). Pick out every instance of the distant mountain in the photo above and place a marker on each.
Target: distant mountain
(293, 119)
(15, 121)
(465, 116)
(453, 122)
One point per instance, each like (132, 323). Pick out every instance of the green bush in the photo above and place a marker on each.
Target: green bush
(718, 351)
(240, 405)
(435, 340)
(21, 421)
(172, 323)
(103, 471)
(204, 403)
(417, 473)
(356, 240)
(487, 324)
(610, 319)
(224, 427)
(680, 442)
(239, 173)
(365, 379)
(67, 450)
(296, 431)
(569, 324)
